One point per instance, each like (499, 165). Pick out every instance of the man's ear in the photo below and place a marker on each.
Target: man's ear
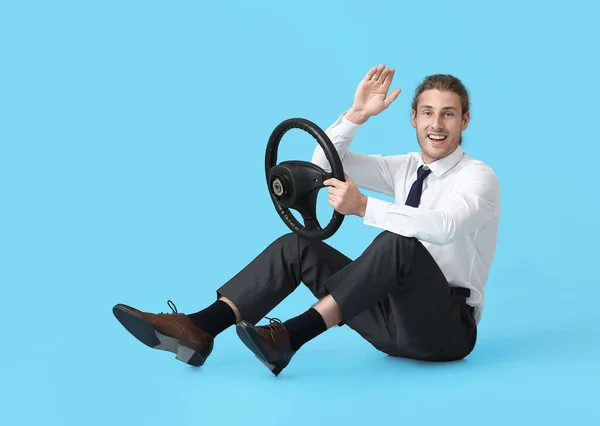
(413, 118)
(466, 119)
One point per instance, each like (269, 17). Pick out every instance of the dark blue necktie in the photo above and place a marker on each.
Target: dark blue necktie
(414, 196)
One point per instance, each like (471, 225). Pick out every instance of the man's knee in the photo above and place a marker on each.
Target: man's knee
(387, 237)
(295, 241)
(286, 242)
(289, 238)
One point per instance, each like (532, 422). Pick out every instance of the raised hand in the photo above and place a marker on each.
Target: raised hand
(371, 97)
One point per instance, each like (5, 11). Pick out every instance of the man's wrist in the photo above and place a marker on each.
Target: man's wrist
(356, 116)
(362, 208)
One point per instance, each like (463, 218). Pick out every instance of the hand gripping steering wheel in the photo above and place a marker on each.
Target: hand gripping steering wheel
(295, 184)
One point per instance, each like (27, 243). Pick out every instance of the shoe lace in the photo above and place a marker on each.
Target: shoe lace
(275, 325)
(172, 306)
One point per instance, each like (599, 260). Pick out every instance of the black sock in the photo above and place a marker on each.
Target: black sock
(214, 319)
(305, 327)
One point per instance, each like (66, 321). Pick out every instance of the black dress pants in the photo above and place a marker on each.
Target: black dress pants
(394, 294)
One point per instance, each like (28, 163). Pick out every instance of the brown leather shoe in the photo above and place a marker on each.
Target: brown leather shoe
(270, 344)
(170, 332)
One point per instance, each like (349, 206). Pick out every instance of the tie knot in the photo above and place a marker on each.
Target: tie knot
(422, 173)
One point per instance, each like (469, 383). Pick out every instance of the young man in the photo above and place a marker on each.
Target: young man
(416, 291)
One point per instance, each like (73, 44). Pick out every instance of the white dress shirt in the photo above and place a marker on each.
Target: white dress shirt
(457, 219)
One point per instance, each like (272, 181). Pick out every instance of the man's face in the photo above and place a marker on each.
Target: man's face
(439, 123)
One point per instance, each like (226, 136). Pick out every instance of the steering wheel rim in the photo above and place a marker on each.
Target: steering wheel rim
(285, 179)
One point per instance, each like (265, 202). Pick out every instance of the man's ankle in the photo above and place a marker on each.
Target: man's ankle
(214, 319)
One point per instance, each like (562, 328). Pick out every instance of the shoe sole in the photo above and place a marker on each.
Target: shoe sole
(149, 336)
(251, 340)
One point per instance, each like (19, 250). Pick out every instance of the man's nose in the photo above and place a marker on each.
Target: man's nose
(437, 122)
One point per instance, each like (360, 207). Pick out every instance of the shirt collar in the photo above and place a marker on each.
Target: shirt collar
(441, 166)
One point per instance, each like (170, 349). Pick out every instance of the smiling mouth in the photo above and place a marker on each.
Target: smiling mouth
(436, 138)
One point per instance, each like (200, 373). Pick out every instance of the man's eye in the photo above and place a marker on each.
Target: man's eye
(450, 114)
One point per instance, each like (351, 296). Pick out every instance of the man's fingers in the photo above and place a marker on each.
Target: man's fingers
(387, 77)
(377, 75)
(370, 74)
(336, 182)
(332, 182)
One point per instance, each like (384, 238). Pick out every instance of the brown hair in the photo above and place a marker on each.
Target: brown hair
(443, 83)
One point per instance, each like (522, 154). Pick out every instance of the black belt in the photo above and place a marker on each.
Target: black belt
(463, 292)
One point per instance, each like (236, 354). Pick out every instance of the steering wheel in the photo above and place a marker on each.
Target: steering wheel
(295, 184)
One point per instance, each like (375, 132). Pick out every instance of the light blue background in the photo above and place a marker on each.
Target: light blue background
(131, 170)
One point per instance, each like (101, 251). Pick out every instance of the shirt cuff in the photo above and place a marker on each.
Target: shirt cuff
(346, 127)
(376, 212)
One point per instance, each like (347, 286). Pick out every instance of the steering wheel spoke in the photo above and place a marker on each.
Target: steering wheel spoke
(307, 207)
(326, 175)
